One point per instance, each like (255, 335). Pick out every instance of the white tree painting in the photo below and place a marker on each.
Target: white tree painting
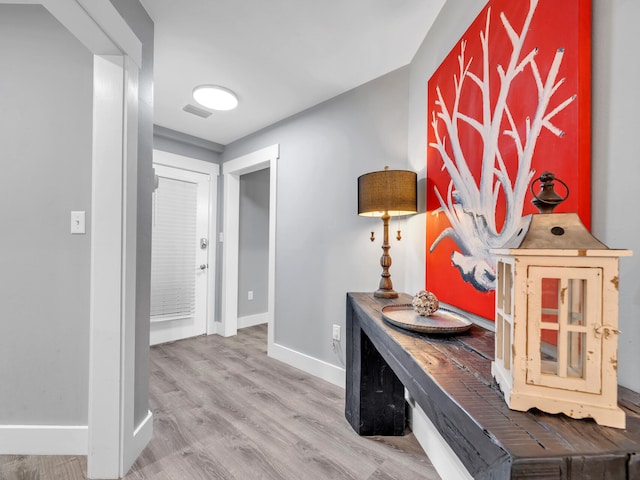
(469, 203)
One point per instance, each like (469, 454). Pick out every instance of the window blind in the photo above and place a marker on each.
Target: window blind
(173, 253)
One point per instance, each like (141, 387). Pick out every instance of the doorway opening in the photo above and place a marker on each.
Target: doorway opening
(232, 170)
(253, 249)
(183, 261)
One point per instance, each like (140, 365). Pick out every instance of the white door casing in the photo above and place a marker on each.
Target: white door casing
(114, 440)
(211, 170)
(232, 171)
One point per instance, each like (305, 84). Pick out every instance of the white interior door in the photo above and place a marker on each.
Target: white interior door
(180, 255)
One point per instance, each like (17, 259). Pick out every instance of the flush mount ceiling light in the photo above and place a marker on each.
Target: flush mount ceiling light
(215, 97)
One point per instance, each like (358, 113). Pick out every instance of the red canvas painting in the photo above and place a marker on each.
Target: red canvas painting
(510, 101)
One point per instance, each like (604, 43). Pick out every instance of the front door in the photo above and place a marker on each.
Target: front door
(180, 255)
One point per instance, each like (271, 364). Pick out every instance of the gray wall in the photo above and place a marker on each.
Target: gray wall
(45, 133)
(615, 169)
(180, 143)
(322, 246)
(142, 25)
(253, 245)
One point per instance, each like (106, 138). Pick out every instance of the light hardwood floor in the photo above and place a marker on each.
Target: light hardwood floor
(224, 410)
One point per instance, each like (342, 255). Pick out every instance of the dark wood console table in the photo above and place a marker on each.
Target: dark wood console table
(450, 379)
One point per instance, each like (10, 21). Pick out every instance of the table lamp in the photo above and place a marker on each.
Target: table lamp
(386, 194)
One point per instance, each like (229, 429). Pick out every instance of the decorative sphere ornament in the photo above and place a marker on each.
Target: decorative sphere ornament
(425, 303)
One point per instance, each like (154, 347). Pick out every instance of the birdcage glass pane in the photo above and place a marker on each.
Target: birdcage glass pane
(549, 351)
(576, 300)
(550, 299)
(576, 354)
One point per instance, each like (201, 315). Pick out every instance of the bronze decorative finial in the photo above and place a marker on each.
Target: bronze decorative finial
(547, 200)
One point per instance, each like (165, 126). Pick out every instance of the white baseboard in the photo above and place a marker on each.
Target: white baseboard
(442, 457)
(214, 328)
(311, 365)
(43, 440)
(252, 320)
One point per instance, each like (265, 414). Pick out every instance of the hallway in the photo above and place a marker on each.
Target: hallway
(224, 410)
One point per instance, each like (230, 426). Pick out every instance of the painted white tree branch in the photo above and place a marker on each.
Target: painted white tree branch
(470, 204)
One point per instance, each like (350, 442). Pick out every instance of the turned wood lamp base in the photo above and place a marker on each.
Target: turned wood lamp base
(385, 294)
(385, 289)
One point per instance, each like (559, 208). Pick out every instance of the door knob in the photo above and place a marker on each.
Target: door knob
(203, 266)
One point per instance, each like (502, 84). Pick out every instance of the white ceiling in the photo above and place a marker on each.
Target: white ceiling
(279, 56)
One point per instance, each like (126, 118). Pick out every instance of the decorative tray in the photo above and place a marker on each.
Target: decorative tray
(443, 321)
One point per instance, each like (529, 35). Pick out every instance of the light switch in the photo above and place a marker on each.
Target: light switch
(77, 223)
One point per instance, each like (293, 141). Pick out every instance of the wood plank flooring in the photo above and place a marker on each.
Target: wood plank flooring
(224, 410)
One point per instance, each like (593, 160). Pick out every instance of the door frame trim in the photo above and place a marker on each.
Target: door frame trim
(232, 171)
(173, 160)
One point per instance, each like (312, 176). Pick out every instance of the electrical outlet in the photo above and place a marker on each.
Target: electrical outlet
(250, 295)
(336, 332)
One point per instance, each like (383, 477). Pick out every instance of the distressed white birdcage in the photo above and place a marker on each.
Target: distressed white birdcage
(557, 320)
